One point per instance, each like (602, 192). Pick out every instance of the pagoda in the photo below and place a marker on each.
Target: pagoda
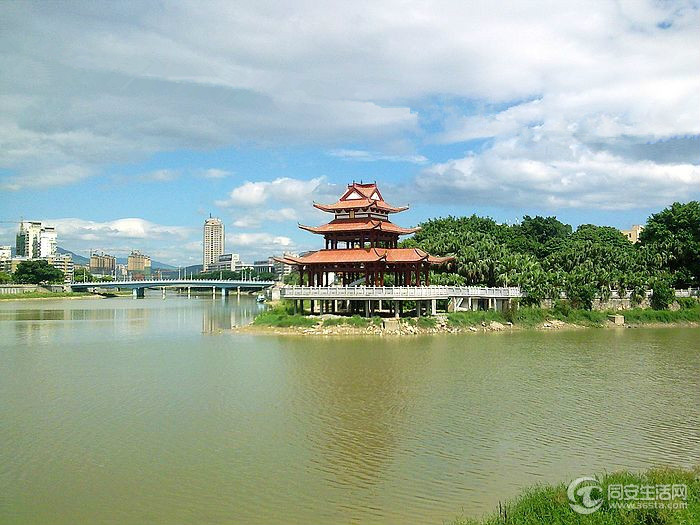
(361, 245)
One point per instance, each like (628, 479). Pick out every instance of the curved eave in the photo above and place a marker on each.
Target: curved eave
(349, 205)
(379, 225)
(437, 261)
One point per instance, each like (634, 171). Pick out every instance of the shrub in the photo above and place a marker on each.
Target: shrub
(662, 295)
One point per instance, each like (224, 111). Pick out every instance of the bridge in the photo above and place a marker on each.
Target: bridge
(139, 287)
(459, 297)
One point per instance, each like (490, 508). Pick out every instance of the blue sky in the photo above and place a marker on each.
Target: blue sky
(126, 125)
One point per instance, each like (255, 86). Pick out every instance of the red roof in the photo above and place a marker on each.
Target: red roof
(353, 225)
(365, 255)
(361, 196)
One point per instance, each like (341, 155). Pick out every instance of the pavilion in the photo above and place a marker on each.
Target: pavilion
(361, 245)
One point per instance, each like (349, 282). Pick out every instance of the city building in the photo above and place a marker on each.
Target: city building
(138, 265)
(35, 240)
(213, 242)
(633, 233)
(63, 262)
(265, 266)
(48, 242)
(361, 245)
(121, 272)
(103, 264)
(5, 252)
(227, 262)
(11, 264)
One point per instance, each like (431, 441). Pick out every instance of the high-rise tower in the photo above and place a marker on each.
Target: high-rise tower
(213, 241)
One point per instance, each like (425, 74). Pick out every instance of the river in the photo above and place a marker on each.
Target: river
(131, 411)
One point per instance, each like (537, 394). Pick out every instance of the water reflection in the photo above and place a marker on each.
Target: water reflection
(126, 315)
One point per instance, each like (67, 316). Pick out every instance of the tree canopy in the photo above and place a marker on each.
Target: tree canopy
(37, 272)
(546, 257)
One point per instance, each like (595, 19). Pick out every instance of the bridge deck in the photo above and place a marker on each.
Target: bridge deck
(397, 293)
(174, 283)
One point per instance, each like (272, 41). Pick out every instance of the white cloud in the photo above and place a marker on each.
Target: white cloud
(214, 173)
(255, 219)
(128, 228)
(284, 189)
(48, 177)
(581, 78)
(542, 172)
(163, 175)
(257, 239)
(371, 156)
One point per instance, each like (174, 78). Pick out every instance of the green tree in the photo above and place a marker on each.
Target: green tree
(674, 236)
(292, 278)
(662, 295)
(37, 272)
(538, 235)
(5, 278)
(83, 275)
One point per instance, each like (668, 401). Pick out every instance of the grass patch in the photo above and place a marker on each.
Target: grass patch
(426, 322)
(533, 316)
(43, 295)
(357, 321)
(549, 504)
(335, 321)
(641, 316)
(279, 317)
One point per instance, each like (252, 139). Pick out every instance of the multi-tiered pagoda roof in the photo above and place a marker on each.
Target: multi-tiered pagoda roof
(362, 244)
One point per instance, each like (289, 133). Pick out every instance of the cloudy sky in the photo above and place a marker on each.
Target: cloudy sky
(126, 124)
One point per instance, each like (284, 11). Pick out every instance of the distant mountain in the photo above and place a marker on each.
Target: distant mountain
(189, 270)
(79, 259)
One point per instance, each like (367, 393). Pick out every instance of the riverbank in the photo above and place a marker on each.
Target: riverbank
(56, 295)
(45, 295)
(278, 320)
(548, 504)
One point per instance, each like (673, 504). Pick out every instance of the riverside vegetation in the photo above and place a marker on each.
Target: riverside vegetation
(549, 503)
(281, 317)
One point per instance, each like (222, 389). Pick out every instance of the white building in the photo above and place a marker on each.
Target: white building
(228, 262)
(213, 242)
(35, 240)
(5, 252)
(47, 242)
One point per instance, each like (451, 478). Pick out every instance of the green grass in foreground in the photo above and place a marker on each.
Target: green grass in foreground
(43, 295)
(549, 504)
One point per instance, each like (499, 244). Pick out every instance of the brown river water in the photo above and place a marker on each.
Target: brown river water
(131, 411)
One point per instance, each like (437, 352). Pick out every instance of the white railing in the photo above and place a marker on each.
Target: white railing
(172, 282)
(397, 292)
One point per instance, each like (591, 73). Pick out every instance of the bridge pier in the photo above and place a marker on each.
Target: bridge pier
(163, 290)
(139, 293)
(189, 292)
